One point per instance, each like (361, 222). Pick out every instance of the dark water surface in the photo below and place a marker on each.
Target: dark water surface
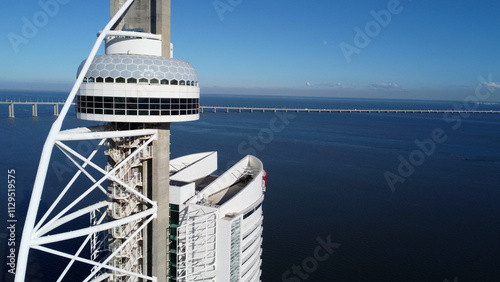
(327, 185)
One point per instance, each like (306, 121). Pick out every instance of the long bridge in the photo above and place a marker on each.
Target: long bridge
(216, 109)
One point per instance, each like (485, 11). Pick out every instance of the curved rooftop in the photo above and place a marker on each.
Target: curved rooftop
(140, 66)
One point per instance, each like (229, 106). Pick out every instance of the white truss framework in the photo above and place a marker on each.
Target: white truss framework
(196, 249)
(36, 235)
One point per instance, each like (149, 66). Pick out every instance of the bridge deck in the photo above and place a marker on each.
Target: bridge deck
(215, 109)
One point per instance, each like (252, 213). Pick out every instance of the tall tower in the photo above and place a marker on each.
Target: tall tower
(137, 85)
(151, 219)
(151, 16)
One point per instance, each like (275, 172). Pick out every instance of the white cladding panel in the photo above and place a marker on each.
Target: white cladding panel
(133, 46)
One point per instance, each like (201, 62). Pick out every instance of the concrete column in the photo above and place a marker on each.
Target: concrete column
(34, 110)
(160, 192)
(11, 110)
(56, 109)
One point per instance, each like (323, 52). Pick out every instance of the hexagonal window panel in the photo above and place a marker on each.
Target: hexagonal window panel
(126, 74)
(121, 67)
(110, 67)
(137, 74)
(132, 67)
(114, 73)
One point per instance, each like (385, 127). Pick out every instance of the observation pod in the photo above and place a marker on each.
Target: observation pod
(132, 83)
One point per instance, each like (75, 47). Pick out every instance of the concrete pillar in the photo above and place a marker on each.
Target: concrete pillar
(239, 110)
(34, 110)
(227, 110)
(151, 15)
(56, 109)
(160, 192)
(215, 110)
(11, 110)
(251, 110)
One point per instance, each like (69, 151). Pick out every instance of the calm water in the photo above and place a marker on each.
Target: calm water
(326, 183)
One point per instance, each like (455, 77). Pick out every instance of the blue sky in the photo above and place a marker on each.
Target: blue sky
(426, 50)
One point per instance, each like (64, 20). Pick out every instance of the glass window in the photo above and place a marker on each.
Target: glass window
(98, 99)
(120, 80)
(154, 100)
(109, 80)
(98, 111)
(154, 81)
(143, 113)
(165, 113)
(182, 82)
(119, 105)
(188, 83)
(99, 80)
(120, 112)
(120, 99)
(90, 79)
(132, 112)
(173, 82)
(132, 80)
(131, 100)
(108, 99)
(143, 80)
(154, 113)
(144, 100)
(108, 112)
(164, 81)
